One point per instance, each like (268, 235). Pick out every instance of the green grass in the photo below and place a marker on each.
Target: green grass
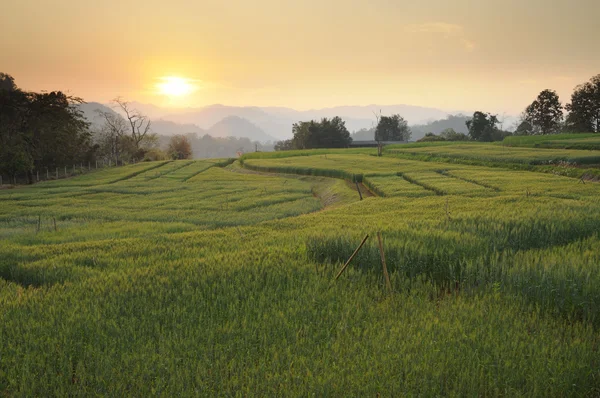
(589, 141)
(206, 278)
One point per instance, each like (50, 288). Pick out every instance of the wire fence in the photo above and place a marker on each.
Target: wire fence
(56, 173)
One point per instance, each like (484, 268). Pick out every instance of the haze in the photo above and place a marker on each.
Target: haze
(453, 55)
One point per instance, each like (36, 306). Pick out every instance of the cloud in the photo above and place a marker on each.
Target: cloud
(447, 30)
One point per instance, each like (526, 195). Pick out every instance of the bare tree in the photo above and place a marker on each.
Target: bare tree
(112, 132)
(139, 123)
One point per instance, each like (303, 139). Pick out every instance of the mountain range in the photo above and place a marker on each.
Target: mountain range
(265, 124)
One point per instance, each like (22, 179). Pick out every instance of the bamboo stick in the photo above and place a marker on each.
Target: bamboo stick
(352, 256)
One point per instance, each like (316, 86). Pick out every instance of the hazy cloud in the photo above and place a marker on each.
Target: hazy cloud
(447, 30)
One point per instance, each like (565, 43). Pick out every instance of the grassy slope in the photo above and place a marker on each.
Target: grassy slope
(221, 283)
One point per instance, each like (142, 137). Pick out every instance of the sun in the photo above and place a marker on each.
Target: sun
(173, 86)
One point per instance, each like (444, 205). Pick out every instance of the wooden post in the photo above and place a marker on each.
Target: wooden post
(54, 219)
(39, 223)
(65, 171)
(57, 173)
(358, 189)
(47, 173)
(385, 271)
(38, 175)
(96, 164)
(0, 180)
(352, 256)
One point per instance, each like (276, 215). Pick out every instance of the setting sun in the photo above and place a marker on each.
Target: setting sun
(175, 86)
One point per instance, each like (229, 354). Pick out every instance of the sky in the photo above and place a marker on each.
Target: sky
(454, 55)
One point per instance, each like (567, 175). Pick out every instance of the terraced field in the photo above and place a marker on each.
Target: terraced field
(218, 278)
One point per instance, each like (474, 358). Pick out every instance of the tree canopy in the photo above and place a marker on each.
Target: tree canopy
(39, 130)
(328, 133)
(482, 126)
(392, 128)
(584, 109)
(545, 113)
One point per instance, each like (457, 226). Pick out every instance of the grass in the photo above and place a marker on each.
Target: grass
(589, 141)
(206, 278)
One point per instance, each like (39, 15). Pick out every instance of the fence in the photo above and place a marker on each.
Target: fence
(55, 173)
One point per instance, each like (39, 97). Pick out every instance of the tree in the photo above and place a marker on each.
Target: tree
(284, 145)
(180, 147)
(139, 124)
(584, 109)
(431, 137)
(328, 133)
(482, 126)
(524, 128)
(392, 128)
(39, 130)
(111, 135)
(450, 135)
(545, 113)
(7, 83)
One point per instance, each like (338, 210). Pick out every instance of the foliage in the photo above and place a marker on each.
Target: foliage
(39, 130)
(180, 147)
(544, 114)
(430, 137)
(584, 109)
(450, 134)
(364, 135)
(392, 128)
(328, 133)
(447, 135)
(284, 145)
(155, 154)
(482, 127)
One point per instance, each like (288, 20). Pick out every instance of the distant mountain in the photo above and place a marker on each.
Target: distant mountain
(167, 127)
(456, 122)
(277, 121)
(234, 126)
(90, 112)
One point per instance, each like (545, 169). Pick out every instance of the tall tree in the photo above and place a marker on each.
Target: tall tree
(584, 109)
(111, 135)
(39, 130)
(545, 114)
(139, 124)
(392, 128)
(482, 126)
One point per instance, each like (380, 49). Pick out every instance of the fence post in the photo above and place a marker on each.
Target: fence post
(96, 164)
(38, 175)
(47, 173)
(0, 180)
(57, 173)
(65, 171)
(89, 166)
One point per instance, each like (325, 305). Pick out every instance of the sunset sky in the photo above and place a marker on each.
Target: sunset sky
(454, 55)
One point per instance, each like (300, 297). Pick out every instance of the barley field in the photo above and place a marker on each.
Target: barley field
(218, 278)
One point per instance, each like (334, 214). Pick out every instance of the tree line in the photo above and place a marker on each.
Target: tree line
(44, 131)
(332, 133)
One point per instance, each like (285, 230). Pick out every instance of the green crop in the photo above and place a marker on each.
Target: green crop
(214, 278)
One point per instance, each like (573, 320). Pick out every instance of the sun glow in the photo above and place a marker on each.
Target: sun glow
(172, 86)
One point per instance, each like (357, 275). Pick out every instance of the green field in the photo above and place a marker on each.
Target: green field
(590, 141)
(213, 278)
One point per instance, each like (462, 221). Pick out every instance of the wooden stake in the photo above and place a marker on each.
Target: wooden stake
(358, 189)
(385, 271)
(352, 256)
(54, 219)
